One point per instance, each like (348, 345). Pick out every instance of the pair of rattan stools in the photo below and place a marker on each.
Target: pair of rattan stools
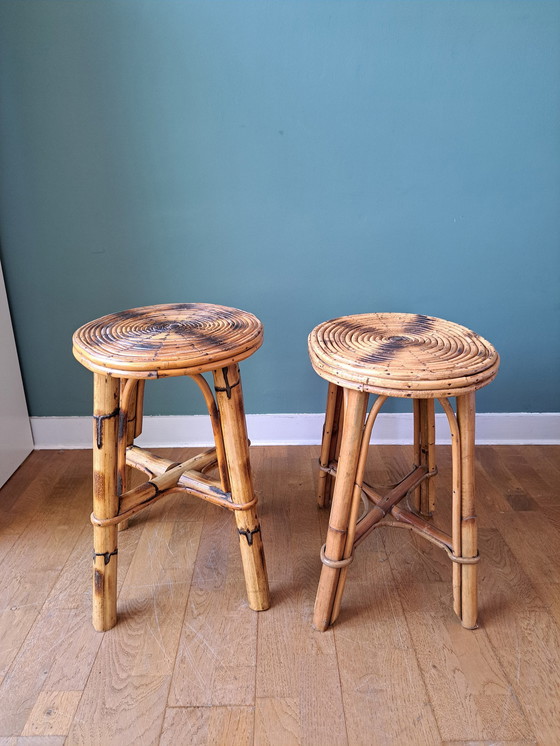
(387, 354)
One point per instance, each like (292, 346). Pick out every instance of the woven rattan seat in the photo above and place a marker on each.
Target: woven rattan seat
(403, 355)
(180, 339)
(167, 340)
(408, 356)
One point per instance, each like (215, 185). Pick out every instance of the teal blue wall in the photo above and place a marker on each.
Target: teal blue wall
(302, 160)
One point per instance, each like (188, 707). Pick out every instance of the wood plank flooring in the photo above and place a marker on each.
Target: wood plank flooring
(190, 663)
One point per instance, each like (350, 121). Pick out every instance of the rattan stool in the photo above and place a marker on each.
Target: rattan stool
(402, 355)
(124, 350)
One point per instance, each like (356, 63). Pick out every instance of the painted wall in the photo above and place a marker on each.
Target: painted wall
(302, 160)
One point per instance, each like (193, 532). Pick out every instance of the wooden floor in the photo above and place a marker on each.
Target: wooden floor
(190, 663)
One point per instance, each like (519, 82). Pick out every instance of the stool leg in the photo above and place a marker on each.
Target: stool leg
(217, 430)
(134, 431)
(424, 498)
(229, 397)
(105, 500)
(329, 443)
(139, 408)
(128, 422)
(469, 543)
(335, 441)
(339, 519)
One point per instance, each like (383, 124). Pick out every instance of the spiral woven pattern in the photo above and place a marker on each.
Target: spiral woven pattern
(168, 339)
(401, 354)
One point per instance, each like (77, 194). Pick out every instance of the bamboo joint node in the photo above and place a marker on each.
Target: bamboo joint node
(106, 555)
(99, 424)
(248, 534)
(228, 386)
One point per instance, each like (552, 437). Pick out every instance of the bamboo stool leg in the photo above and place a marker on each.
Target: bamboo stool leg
(229, 397)
(217, 430)
(469, 543)
(424, 498)
(128, 422)
(336, 439)
(355, 406)
(455, 501)
(329, 443)
(134, 430)
(414, 498)
(138, 421)
(105, 500)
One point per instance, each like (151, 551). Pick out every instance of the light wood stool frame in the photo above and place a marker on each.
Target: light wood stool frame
(117, 421)
(408, 356)
(123, 350)
(345, 443)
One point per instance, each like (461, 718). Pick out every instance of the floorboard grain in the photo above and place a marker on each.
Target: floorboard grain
(189, 662)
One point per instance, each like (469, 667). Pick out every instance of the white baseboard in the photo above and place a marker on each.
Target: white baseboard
(501, 428)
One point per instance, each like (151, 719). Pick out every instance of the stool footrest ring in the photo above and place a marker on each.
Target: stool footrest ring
(335, 564)
(463, 560)
(222, 503)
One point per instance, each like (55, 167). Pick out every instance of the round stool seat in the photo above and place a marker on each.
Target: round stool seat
(403, 355)
(167, 340)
